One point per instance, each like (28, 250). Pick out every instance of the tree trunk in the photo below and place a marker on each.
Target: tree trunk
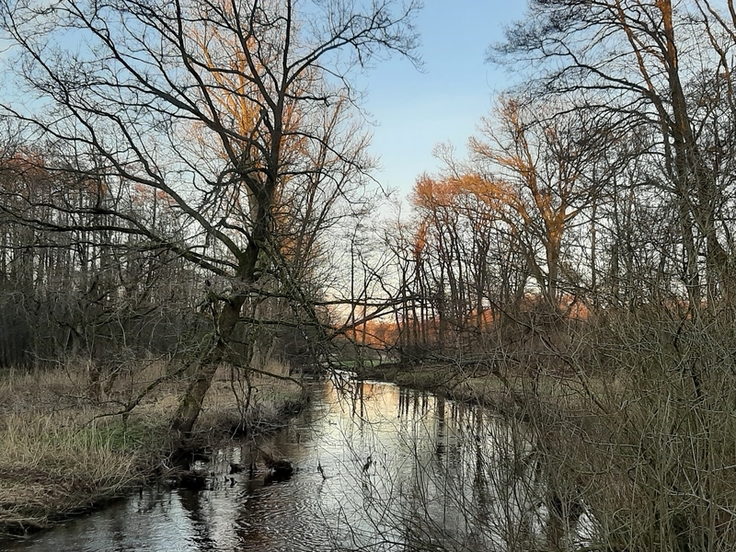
(190, 405)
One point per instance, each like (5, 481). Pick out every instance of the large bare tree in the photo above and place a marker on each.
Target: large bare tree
(533, 166)
(238, 114)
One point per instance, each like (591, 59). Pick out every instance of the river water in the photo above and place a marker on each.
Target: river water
(400, 470)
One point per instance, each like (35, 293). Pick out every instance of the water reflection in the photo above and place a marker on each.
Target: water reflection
(400, 470)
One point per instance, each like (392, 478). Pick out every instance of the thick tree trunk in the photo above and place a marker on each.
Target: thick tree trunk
(191, 402)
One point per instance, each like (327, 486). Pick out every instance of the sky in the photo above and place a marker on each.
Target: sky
(414, 111)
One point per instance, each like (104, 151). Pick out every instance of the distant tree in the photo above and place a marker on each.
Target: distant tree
(81, 288)
(532, 167)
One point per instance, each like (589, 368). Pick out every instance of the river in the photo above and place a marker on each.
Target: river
(378, 468)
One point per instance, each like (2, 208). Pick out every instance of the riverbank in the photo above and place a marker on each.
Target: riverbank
(476, 383)
(631, 426)
(66, 449)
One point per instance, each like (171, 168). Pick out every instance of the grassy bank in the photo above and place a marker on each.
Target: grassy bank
(628, 418)
(63, 450)
(475, 383)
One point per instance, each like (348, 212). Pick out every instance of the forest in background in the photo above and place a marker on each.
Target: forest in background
(603, 185)
(196, 186)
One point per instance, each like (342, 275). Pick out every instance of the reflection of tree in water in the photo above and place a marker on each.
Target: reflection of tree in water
(191, 502)
(457, 478)
(401, 471)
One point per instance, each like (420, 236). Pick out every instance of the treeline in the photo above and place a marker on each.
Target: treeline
(77, 283)
(603, 183)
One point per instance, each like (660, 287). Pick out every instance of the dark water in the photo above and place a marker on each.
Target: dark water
(402, 470)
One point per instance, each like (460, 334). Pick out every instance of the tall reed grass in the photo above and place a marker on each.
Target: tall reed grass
(60, 454)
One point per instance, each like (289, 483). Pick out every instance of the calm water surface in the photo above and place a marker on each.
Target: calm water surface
(402, 470)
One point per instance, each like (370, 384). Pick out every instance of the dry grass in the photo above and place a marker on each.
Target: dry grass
(58, 456)
(269, 403)
(65, 449)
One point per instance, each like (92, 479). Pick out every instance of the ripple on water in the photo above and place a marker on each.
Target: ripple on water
(373, 446)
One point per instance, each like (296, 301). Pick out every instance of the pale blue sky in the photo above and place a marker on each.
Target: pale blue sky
(415, 110)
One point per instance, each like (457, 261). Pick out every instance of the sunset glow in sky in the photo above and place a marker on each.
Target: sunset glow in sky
(414, 110)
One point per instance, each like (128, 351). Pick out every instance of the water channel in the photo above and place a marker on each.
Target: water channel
(400, 470)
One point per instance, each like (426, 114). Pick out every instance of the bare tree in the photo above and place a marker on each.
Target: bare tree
(533, 167)
(227, 109)
(633, 63)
